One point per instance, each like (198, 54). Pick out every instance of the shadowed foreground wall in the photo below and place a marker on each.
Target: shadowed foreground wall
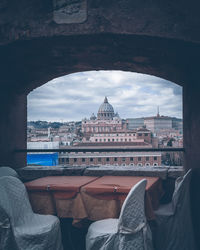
(13, 110)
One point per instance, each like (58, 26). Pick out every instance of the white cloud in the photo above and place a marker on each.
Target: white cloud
(75, 96)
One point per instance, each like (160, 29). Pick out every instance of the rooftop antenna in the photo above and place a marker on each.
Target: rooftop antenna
(158, 114)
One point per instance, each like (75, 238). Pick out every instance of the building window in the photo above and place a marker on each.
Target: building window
(155, 164)
(139, 134)
(139, 158)
(83, 159)
(139, 164)
(96, 139)
(131, 158)
(108, 139)
(104, 139)
(125, 139)
(99, 159)
(147, 158)
(155, 158)
(75, 159)
(129, 139)
(147, 164)
(100, 140)
(115, 159)
(146, 134)
(91, 159)
(132, 164)
(113, 139)
(107, 159)
(121, 139)
(123, 164)
(123, 159)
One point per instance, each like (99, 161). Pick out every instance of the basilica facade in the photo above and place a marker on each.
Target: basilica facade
(105, 121)
(108, 131)
(107, 127)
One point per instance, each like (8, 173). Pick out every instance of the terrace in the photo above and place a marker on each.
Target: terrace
(163, 41)
(72, 227)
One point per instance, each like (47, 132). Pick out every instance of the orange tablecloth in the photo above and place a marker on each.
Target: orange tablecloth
(95, 198)
(103, 198)
(58, 195)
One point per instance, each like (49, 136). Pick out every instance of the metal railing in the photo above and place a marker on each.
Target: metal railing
(97, 149)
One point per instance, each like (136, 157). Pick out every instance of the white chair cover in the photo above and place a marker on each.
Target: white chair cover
(7, 171)
(130, 231)
(7, 241)
(30, 231)
(174, 228)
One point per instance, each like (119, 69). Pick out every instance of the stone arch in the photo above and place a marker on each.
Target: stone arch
(27, 64)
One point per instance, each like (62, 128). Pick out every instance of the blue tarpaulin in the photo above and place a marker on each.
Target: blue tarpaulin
(43, 159)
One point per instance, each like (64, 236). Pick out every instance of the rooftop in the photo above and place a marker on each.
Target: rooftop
(113, 144)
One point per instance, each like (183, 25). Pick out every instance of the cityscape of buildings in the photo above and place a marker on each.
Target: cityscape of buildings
(106, 130)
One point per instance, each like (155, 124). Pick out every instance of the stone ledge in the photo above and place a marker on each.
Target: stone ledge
(33, 172)
(175, 171)
(79, 170)
(127, 171)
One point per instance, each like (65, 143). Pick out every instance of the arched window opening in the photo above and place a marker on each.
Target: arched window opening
(106, 109)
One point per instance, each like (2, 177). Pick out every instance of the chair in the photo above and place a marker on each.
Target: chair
(7, 241)
(28, 230)
(130, 231)
(7, 171)
(174, 228)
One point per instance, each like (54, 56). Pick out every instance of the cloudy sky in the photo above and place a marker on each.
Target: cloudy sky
(75, 96)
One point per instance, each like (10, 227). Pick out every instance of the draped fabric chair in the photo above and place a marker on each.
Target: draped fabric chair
(7, 171)
(7, 240)
(130, 231)
(174, 229)
(28, 231)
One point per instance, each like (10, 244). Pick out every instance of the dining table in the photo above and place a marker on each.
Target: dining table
(89, 197)
(104, 196)
(58, 195)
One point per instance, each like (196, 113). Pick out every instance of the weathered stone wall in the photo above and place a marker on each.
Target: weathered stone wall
(28, 19)
(13, 110)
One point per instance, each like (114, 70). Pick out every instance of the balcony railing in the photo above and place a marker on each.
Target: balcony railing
(97, 149)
